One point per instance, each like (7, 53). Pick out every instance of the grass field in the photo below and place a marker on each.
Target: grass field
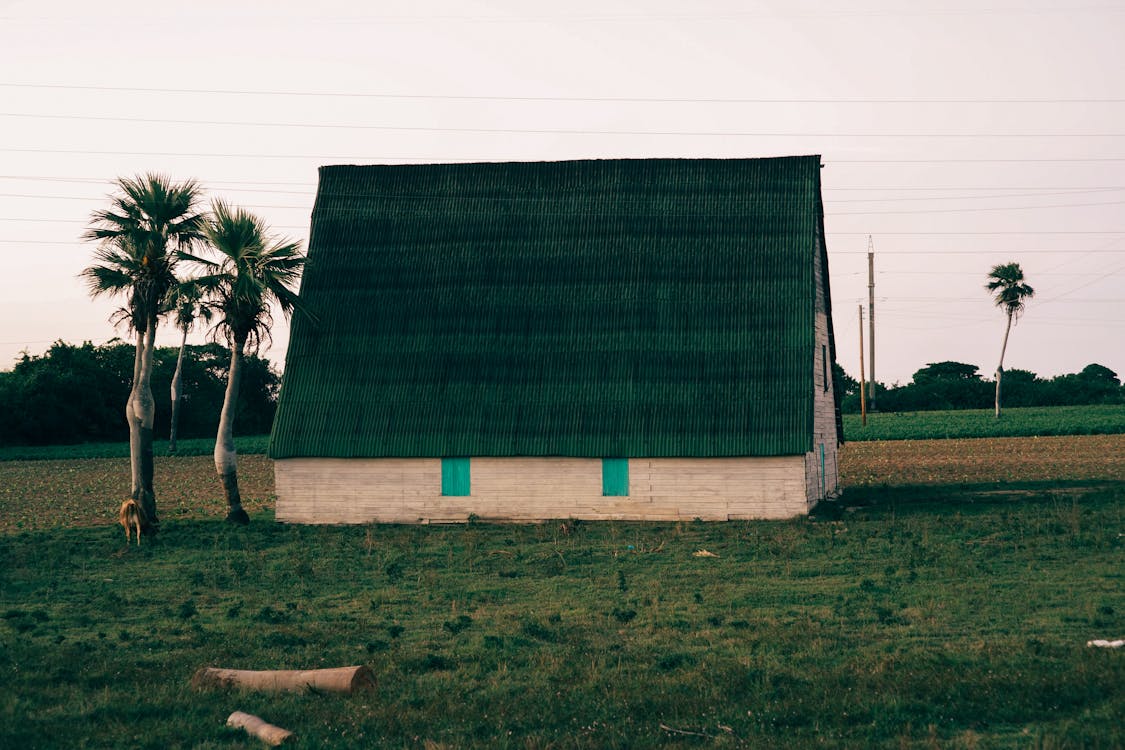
(1105, 419)
(193, 447)
(944, 602)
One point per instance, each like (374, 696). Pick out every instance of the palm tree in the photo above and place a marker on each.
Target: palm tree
(187, 309)
(253, 271)
(1010, 293)
(149, 218)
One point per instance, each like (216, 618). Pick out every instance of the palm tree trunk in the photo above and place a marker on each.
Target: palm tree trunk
(134, 422)
(226, 459)
(177, 391)
(144, 412)
(1000, 367)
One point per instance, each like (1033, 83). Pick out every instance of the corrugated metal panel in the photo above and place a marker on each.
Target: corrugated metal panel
(590, 308)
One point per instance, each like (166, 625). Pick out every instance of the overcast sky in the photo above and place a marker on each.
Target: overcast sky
(958, 134)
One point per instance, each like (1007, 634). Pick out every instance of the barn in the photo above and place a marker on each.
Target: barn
(644, 339)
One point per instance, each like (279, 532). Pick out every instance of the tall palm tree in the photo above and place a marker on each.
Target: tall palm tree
(187, 309)
(150, 218)
(253, 271)
(1010, 293)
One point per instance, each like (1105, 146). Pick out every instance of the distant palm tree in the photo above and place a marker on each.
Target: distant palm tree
(149, 218)
(187, 310)
(1010, 293)
(253, 271)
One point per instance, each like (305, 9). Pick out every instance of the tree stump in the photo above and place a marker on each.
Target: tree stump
(267, 733)
(338, 680)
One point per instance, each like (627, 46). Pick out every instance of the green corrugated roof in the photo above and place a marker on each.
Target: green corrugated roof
(653, 307)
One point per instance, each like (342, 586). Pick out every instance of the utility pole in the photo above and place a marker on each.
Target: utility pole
(862, 379)
(871, 312)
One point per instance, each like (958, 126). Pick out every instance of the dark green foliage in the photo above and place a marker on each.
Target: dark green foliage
(956, 385)
(844, 383)
(76, 394)
(70, 394)
(594, 308)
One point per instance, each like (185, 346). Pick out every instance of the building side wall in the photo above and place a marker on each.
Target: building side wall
(525, 489)
(822, 476)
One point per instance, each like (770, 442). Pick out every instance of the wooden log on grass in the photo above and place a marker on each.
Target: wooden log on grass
(337, 680)
(266, 732)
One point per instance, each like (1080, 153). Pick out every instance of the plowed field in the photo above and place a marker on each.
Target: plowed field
(976, 460)
(88, 492)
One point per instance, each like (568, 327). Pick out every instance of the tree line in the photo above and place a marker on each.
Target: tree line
(958, 385)
(73, 393)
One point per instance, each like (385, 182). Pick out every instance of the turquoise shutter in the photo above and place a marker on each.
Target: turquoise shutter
(615, 477)
(455, 477)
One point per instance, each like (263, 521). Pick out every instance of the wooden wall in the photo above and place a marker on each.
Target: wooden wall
(822, 480)
(393, 490)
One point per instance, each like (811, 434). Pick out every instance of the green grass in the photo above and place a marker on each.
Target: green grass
(1106, 419)
(193, 447)
(911, 618)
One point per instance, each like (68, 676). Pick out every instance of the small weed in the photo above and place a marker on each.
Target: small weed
(187, 610)
(394, 571)
(434, 663)
(268, 614)
(624, 615)
(539, 631)
(674, 660)
(456, 626)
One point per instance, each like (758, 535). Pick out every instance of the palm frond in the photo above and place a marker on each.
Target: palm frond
(1006, 282)
(252, 272)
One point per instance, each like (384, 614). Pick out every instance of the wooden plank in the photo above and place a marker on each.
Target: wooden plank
(535, 489)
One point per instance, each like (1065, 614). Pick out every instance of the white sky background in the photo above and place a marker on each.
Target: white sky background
(958, 133)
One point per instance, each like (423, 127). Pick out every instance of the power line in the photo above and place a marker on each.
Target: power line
(306, 207)
(1064, 190)
(973, 210)
(430, 159)
(540, 131)
(901, 188)
(979, 231)
(502, 18)
(315, 157)
(886, 254)
(972, 161)
(107, 181)
(677, 100)
(1074, 191)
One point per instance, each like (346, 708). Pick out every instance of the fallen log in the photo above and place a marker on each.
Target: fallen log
(267, 733)
(338, 680)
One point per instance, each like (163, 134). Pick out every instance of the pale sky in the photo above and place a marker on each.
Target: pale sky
(957, 133)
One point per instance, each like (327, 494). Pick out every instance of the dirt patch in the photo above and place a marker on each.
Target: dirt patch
(979, 460)
(88, 492)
